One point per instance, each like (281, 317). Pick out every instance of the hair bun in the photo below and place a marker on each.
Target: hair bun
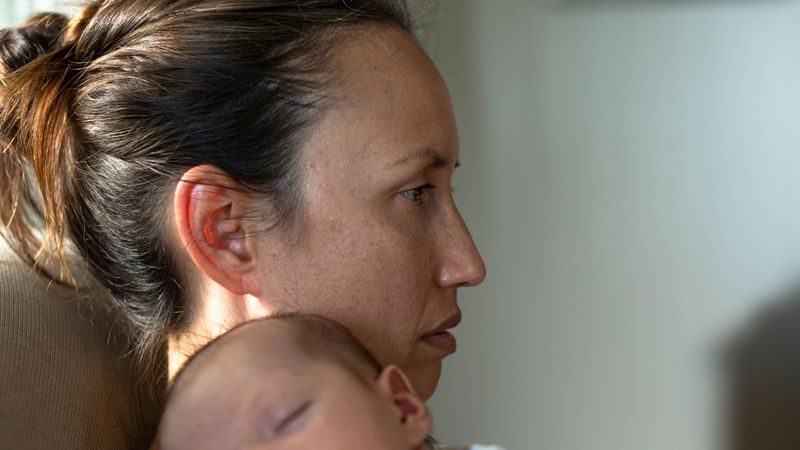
(37, 35)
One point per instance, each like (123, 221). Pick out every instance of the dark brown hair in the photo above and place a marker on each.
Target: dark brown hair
(100, 116)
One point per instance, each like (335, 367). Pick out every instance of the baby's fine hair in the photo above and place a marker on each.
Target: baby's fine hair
(316, 337)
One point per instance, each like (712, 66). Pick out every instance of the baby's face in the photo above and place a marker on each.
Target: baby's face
(322, 404)
(293, 402)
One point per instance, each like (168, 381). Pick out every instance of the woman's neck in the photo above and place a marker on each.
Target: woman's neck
(180, 349)
(215, 312)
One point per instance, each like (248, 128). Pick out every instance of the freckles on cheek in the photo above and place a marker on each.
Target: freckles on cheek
(402, 277)
(387, 271)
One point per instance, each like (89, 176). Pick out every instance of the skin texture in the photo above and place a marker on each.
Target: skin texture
(372, 257)
(259, 391)
(381, 247)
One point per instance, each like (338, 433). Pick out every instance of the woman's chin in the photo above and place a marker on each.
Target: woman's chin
(425, 378)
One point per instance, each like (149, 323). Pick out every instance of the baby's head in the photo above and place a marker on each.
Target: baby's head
(291, 382)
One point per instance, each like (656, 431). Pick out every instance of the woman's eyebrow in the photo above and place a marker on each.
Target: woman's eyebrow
(436, 158)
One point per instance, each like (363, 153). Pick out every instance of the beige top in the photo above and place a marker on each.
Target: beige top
(63, 381)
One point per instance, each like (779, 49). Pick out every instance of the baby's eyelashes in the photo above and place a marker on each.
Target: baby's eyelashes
(279, 423)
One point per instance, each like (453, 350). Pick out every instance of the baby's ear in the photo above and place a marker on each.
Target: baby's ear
(411, 410)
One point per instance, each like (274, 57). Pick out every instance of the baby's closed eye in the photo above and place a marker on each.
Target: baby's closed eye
(283, 421)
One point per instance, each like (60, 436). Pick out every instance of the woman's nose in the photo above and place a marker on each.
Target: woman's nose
(460, 262)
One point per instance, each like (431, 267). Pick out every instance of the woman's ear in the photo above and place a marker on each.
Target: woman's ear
(209, 215)
(411, 410)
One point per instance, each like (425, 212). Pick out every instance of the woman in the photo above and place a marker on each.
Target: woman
(215, 161)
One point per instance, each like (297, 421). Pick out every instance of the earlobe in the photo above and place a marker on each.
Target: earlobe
(412, 412)
(208, 221)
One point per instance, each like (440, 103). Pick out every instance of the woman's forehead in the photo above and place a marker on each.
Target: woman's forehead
(385, 66)
(389, 104)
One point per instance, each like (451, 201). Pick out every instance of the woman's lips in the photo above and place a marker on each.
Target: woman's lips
(443, 341)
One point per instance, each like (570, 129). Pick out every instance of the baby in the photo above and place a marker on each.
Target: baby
(292, 382)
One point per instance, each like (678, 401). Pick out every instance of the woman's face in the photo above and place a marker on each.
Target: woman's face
(381, 248)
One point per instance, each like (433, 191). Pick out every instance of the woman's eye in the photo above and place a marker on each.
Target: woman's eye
(417, 194)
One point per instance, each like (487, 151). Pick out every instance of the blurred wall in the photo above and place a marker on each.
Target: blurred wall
(14, 11)
(630, 173)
